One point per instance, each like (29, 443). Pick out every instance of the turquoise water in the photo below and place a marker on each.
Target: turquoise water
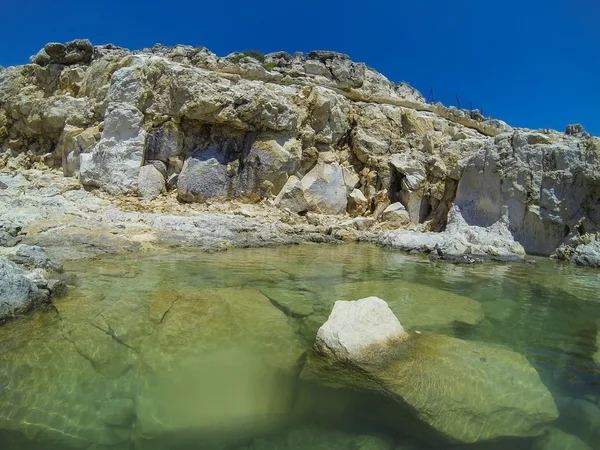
(191, 350)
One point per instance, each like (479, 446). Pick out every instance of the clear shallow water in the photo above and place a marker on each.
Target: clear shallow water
(189, 350)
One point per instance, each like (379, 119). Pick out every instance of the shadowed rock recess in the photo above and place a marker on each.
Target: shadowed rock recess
(313, 135)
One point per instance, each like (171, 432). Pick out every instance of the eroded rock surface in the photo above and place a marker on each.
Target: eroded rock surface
(315, 133)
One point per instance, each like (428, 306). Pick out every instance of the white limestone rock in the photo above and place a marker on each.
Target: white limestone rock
(356, 328)
(114, 164)
(151, 183)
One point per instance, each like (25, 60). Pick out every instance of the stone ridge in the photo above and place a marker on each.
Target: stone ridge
(310, 134)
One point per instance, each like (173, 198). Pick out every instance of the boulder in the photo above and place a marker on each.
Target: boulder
(18, 294)
(396, 213)
(321, 190)
(410, 169)
(269, 159)
(292, 196)
(151, 183)
(73, 142)
(118, 412)
(324, 189)
(351, 179)
(203, 179)
(357, 203)
(458, 391)
(574, 129)
(358, 329)
(73, 52)
(114, 163)
(10, 235)
(587, 254)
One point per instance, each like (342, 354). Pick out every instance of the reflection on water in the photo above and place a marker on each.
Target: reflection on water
(189, 350)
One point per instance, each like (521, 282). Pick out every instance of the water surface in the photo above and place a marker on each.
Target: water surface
(191, 350)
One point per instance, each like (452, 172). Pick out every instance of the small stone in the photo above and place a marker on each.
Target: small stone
(172, 181)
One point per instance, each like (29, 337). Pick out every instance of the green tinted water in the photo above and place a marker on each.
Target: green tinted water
(189, 350)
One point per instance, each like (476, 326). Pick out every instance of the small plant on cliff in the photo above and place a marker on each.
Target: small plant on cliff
(259, 56)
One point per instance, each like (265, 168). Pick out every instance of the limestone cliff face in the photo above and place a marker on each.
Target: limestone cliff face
(305, 131)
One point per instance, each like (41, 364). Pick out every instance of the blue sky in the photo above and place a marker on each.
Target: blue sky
(532, 63)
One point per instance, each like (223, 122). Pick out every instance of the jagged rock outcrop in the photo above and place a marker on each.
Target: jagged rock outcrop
(18, 293)
(313, 133)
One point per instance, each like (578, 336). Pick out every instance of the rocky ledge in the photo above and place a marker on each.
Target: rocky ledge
(104, 149)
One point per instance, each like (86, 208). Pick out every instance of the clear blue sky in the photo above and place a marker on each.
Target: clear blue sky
(532, 63)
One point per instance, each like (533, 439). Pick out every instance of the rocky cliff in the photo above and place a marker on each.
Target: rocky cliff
(309, 134)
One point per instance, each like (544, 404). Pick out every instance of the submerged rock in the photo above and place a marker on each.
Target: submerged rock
(319, 438)
(421, 306)
(580, 417)
(458, 391)
(230, 348)
(556, 439)
(35, 406)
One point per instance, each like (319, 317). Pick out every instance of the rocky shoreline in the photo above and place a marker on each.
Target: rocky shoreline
(104, 150)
